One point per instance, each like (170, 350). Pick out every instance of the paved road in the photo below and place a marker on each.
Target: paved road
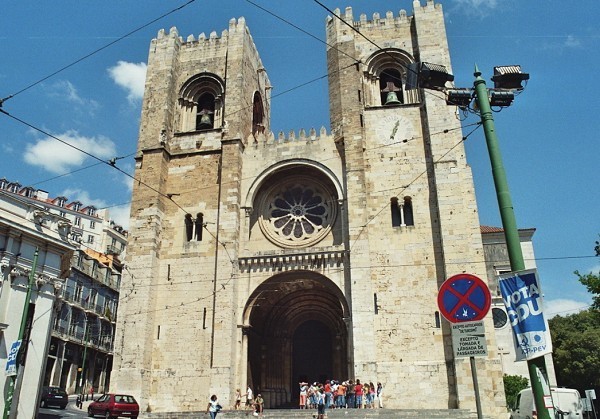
(71, 411)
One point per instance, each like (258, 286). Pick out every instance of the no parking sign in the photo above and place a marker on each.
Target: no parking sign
(464, 298)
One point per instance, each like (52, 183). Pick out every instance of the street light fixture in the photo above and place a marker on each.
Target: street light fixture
(434, 76)
(460, 97)
(509, 77)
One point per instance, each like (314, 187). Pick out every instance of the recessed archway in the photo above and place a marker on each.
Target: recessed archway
(297, 331)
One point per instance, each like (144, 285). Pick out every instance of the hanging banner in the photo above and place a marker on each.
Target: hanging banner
(11, 361)
(522, 297)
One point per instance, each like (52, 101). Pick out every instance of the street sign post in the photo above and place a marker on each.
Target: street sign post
(465, 300)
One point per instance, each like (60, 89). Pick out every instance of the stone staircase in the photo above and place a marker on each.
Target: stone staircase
(331, 414)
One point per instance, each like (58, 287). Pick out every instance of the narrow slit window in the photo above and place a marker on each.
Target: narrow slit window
(396, 212)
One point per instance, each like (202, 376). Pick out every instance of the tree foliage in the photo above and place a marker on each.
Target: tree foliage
(512, 385)
(576, 341)
(592, 281)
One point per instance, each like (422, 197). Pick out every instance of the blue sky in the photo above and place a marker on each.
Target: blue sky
(548, 137)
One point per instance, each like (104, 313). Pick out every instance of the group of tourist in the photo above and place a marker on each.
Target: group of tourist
(337, 395)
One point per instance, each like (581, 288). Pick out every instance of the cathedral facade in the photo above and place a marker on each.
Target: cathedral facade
(264, 260)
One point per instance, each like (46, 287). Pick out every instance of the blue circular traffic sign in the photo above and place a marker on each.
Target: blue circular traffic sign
(464, 298)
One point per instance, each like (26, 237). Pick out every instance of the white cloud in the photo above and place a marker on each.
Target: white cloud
(563, 307)
(572, 42)
(119, 214)
(131, 77)
(57, 157)
(66, 90)
(479, 8)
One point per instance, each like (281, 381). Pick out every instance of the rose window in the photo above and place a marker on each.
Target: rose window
(297, 214)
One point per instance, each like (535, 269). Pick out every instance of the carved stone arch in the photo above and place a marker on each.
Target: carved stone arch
(291, 164)
(201, 101)
(297, 327)
(390, 69)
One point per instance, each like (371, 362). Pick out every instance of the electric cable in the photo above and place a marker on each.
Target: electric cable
(95, 52)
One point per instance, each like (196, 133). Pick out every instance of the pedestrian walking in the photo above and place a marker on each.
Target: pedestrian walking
(238, 399)
(249, 398)
(379, 395)
(213, 406)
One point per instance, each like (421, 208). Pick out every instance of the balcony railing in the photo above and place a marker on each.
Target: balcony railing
(103, 343)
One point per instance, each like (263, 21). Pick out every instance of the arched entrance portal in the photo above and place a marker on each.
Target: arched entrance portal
(296, 333)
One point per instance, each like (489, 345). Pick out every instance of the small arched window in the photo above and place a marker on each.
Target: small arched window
(389, 78)
(402, 212)
(201, 103)
(258, 115)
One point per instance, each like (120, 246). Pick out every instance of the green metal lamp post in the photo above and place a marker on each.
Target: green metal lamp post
(13, 378)
(536, 366)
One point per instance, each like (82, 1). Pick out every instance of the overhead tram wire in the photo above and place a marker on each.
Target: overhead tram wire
(300, 29)
(110, 162)
(79, 170)
(95, 51)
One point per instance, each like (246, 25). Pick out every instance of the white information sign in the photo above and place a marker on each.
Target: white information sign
(468, 339)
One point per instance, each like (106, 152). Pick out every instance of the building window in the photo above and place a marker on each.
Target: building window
(390, 78)
(396, 212)
(76, 206)
(201, 102)
(91, 211)
(402, 213)
(77, 221)
(258, 114)
(78, 291)
(298, 212)
(500, 317)
(90, 238)
(193, 227)
(92, 224)
(3, 183)
(60, 201)
(80, 260)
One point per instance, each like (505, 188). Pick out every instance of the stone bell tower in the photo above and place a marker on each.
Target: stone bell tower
(204, 99)
(266, 260)
(412, 214)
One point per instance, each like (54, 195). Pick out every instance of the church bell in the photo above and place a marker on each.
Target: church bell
(205, 121)
(392, 99)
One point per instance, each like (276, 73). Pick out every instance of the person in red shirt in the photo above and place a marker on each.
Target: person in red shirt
(358, 391)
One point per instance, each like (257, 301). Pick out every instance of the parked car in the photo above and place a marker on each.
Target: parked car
(114, 405)
(54, 396)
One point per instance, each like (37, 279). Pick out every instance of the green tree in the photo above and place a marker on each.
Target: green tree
(512, 385)
(576, 341)
(592, 281)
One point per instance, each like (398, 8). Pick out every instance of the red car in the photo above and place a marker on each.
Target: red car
(114, 405)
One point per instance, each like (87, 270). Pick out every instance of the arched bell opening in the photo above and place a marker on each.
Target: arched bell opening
(297, 332)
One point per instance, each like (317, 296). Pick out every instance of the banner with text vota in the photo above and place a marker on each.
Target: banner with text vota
(522, 297)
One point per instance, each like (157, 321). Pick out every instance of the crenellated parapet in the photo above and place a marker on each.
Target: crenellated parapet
(389, 19)
(302, 136)
(235, 26)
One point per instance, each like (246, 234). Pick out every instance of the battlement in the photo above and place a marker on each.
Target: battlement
(235, 26)
(389, 19)
(302, 137)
